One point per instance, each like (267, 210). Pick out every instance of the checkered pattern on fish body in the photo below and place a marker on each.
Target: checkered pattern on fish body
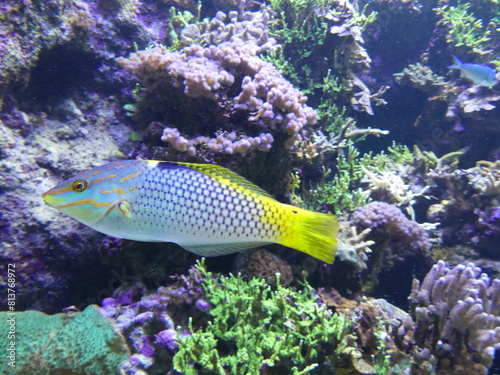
(192, 207)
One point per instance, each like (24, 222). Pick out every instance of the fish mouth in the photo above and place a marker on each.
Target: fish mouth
(51, 200)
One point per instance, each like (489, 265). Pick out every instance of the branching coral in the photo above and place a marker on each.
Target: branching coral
(353, 246)
(458, 317)
(309, 31)
(340, 194)
(463, 27)
(394, 188)
(261, 328)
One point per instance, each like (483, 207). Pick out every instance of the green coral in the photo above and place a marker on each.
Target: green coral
(463, 27)
(71, 344)
(302, 34)
(177, 21)
(310, 57)
(343, 192)
(255, 326)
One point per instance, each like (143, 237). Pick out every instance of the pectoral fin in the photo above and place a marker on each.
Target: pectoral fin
(120, 210)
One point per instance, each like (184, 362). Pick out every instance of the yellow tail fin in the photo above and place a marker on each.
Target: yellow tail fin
(313, 233)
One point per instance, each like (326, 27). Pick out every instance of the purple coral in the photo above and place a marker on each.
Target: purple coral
(462, 305)
(229, 143)
(229, 63)
(407, 233)
(168, 339)
(203, 71)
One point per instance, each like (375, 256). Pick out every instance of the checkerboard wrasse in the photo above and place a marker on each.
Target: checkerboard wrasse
(204, 208)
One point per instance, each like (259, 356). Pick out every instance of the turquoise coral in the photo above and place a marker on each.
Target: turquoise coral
(71, 343)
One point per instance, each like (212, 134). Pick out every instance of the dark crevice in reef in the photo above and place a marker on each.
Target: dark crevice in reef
(60, 72)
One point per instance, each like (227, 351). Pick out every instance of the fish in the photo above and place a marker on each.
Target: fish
(481, 75)
(206, 209)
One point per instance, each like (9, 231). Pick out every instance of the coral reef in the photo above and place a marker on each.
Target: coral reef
(466, 208)
(464, 29)
(150, 321)
(73, 343)
(398, 244)
(60, 112)
(340, 194)
(215, 99)
(276, 91)
(458, 319)
(308, 31)
(262, 264)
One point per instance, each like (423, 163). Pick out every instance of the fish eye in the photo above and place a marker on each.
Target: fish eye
(79, 186)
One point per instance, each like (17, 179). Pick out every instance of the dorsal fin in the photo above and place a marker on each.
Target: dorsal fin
(224, 174)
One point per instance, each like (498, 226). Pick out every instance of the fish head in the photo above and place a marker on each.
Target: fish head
(492, 78)
(87, 197)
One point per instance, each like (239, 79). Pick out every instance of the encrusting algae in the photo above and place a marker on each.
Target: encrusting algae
(204, 208)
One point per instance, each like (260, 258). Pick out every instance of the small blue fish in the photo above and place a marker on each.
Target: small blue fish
(481, 75)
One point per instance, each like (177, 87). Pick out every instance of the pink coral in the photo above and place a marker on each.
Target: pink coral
(229, 63)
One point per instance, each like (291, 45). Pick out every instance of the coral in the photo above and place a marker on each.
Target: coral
(458, 317)
(148, 324)
(464, 29)
(262, 328)
(392, 187)
(466, 208)
(341, 193)
(352, 246)
(227, 143)
(203, 71)
(229, 63)
(247, 27)
(399, 244)
(263, 264)
(405, 233)
(307, 31)
(382, 334)
(485, 178)
(476, 103)
(422, 77)
(69, 343)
